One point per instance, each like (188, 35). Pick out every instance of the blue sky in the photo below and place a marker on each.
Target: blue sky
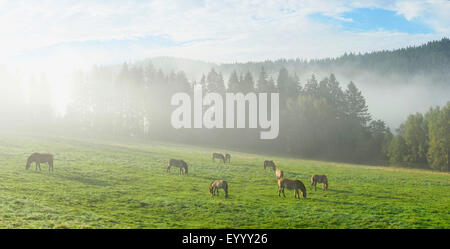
(37, 33)
(375, 19)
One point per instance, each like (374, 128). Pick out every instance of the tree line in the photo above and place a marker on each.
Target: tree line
(319, 118)
(423, 140)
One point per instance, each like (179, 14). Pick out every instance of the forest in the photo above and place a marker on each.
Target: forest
(320, 117)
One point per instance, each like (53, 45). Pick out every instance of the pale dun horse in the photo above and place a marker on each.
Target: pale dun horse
(218, 156)
(182, 165)
(215, 185)
(319, 179)
(228, 158)
(279, 173)
(269, 164)
(291, 184)
(39, 158)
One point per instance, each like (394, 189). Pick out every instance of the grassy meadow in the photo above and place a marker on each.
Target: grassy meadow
(102, 184)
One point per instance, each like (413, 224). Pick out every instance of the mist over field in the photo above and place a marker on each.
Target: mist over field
(391, 97)
(272, 114)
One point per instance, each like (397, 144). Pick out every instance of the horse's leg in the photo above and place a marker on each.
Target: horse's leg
(282, 189)
(315, 186)
(39, 165)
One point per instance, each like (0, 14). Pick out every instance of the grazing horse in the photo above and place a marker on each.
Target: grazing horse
(218, 156)
(269, 164)
(319, 179)
(39, 158)
(179, 164)
(279, 173)
(215, 185)
(291, 184)
(228, 158)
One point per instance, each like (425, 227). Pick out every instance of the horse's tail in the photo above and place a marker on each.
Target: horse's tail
(168, 165)
(225, 187)
(50, 163)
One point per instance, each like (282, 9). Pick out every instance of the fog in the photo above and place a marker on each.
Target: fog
(389, 97)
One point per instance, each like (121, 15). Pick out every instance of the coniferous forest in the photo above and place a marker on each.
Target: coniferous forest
(321, 117)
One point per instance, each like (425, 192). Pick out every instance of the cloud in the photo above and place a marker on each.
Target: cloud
(230, 30)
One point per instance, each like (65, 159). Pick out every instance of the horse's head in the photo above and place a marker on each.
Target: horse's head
(211, 189)
(28, 163)
(186, 169)
(304, 194)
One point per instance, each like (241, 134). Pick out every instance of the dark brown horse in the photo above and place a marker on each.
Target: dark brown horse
(269, 164)
(291, 184)
(319, 179)
(218, 156)
(182, 165)
(228, 158)
(39, 158)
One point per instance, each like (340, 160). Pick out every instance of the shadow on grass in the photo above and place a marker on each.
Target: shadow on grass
(83, 179)
(338, 202)
(380, 196)
(362, 194)
(337, 191)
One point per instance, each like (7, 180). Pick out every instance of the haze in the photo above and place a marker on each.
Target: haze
(52, 39)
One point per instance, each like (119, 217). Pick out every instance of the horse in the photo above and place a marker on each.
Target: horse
(319, 179)
(279, 173)
(269, 164)
(179, 164)
(39, 158)
(218, 156)
(215, 185)
(228, 158)
(291, 184)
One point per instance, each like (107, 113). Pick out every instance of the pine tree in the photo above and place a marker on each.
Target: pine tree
(233, 82)
(356, 108)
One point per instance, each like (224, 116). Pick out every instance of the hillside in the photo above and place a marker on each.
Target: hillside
(430, 59)
(101, 184)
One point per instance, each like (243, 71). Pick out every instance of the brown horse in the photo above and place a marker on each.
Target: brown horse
(178, 164)
(269, 164)
(291, 184)
(279, 173)
(39, 158)
(319, 179)
(228, 158)
(215, 185)
(218, 156)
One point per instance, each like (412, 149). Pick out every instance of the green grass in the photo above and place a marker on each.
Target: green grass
(125, 185)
